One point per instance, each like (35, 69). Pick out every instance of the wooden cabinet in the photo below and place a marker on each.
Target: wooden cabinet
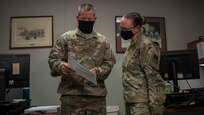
(193, 45)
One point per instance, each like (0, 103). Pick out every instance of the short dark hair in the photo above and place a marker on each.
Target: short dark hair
(137, 19)
(86, 7)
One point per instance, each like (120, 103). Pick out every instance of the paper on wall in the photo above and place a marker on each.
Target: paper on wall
(200, 49)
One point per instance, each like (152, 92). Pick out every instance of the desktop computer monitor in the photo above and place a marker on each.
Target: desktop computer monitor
(2, 84)
(17, 69)
(179, 64)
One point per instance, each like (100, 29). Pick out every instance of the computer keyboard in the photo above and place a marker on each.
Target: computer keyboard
(5, 102)
(178, 100)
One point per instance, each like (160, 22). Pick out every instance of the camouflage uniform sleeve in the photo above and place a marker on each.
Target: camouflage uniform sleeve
(149, 60)
(108, 61)
(57, 57)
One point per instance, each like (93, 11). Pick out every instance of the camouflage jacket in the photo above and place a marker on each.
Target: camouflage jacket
(141, 79)
(90, 50)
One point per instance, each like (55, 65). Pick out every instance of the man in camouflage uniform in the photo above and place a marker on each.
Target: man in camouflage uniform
(92, 50)
(143, 86)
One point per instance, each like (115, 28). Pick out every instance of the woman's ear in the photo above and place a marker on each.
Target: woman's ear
(137, 29)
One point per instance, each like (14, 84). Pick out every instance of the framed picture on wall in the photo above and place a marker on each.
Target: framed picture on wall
(154, 28)
(31, 32)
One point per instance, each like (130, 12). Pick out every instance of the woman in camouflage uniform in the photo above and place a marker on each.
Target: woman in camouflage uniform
(143, 85)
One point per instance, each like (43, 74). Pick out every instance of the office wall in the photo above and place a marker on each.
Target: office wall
(202, 11)
(42, 86)
(182, 19)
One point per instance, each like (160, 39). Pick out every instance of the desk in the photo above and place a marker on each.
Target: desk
(188, 110)
(13, 108)
(185, 103)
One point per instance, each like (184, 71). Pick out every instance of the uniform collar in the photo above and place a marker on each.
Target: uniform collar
(86, 36)
(136, 39)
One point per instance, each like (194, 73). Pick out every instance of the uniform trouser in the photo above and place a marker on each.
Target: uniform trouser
(137, 109)
(141, 109)
(83, 105)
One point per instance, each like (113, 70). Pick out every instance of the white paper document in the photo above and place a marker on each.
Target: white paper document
(81, 70)
(45, 109)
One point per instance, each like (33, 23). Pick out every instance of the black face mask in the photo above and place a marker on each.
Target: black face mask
(85, 26)
(126, 35)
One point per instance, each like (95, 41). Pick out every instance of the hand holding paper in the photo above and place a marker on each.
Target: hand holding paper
(81, 70)
(93, 70)
(66, 68)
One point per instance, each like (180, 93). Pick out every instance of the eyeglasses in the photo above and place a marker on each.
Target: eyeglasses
(126, 29)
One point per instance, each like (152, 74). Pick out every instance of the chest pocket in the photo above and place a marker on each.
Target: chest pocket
(88, 52)
(134, 63)
(71, 48)
(98, 54)
(131, 60)
(94, 55)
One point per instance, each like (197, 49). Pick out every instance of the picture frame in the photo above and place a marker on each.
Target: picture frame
(31, 32)
(154, 28)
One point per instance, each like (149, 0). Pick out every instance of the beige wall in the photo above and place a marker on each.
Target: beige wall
(182, 20)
